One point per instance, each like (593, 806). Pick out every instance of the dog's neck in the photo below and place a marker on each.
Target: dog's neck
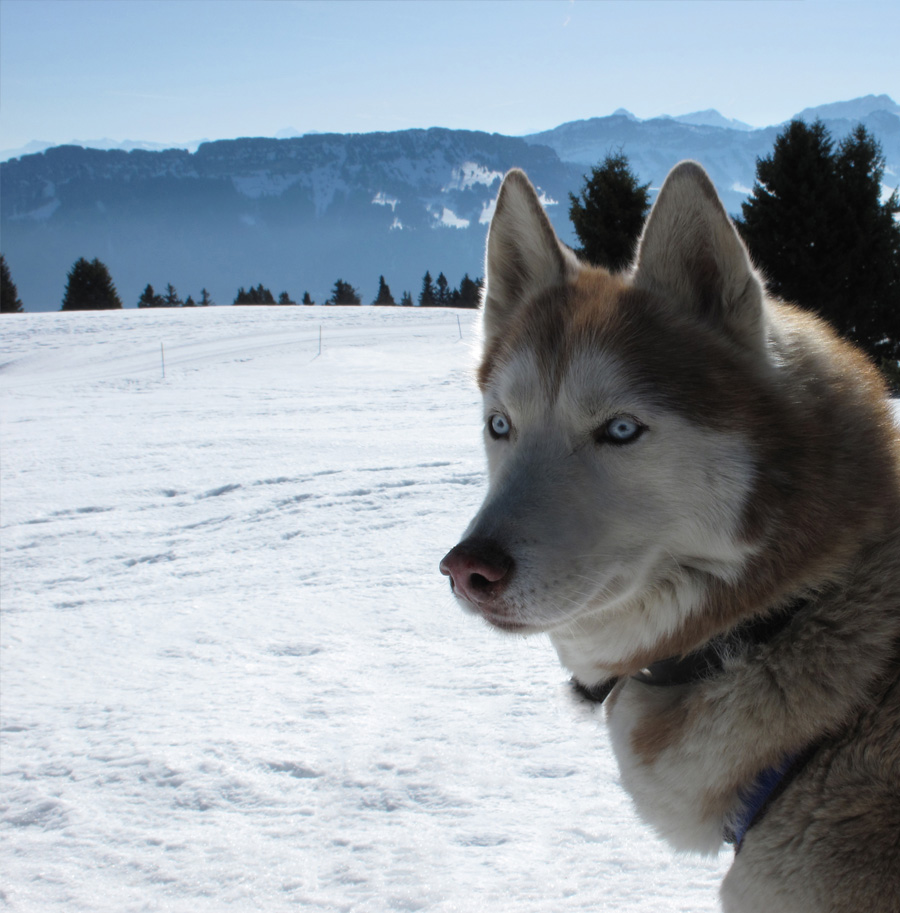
(709, 660)
(705, 662)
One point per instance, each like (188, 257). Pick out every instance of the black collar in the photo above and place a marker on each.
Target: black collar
(705, 662)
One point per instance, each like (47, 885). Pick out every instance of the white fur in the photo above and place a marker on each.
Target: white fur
(614, 546)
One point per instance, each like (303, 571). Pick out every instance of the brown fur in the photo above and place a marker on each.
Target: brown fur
(693, 334)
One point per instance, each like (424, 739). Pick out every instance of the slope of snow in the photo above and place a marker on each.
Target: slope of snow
(233, 677)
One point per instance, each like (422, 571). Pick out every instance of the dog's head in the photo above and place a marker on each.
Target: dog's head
(626, 421)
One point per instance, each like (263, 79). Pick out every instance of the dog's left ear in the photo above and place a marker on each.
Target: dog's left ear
(691, 255)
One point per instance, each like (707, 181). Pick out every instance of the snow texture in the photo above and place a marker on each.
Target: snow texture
(233, 678)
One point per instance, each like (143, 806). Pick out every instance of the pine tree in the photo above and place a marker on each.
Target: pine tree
(285, 298)
(258, 295)
(149, 298)
(406, 300)
(205, 300)
(816, 225)
(189, 302)
(785, 217)
(610, 212)
(343, 293)
(869, 308)
(442, 292)
(10, 302)
(306, 299)
(469, 292)
(426, 296)
(384, 295)
(261, 295)
(89, 287)
(171, 299)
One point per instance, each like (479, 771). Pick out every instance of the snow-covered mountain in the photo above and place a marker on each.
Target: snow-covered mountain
(127, 145)
(854, 110)
(298, 213)
(728, 153)
(295, 214)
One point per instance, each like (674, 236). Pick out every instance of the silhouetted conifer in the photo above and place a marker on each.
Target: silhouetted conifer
(469, 292)
(343, 293)
(149, 298)
(609, 214)
(171, 298)
(10, 302)
(426, 296)
(89, 287)
(817, 226)
(384, 295)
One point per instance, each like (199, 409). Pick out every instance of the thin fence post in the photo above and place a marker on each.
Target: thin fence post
(459, 325)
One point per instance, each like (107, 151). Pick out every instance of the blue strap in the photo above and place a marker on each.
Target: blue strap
(755, 799)
(765, 789)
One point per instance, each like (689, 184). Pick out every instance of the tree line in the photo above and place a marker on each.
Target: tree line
(89, 287)
(435, 293)
(816, 222)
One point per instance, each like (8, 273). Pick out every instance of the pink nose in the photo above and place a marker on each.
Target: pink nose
(478, 570)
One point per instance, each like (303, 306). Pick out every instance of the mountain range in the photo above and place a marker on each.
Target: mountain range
(298, 213)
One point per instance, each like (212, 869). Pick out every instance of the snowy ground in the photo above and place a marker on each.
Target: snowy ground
(232, 676)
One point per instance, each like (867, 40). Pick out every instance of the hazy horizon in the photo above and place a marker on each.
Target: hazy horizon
(158, 72)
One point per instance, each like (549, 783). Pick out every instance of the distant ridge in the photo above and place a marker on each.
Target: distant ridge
(298, 213)
(855, 109)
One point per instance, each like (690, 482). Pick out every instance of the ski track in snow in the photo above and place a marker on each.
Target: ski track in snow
(233, 677)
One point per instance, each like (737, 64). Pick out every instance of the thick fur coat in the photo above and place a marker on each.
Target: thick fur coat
(674, 456)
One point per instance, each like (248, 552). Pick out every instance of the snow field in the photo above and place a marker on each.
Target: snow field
(232, 676)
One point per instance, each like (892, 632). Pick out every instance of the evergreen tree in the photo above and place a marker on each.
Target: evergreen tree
(384, 295)
(794, 194)
(189, 302)
(406, 300)
(306, 299)
(261, 295)
(171, 299)
(9, 294)
(285, 298)
(343, 293)
(469, 292)
(258, 295)
(816, 225)
(442, 292)
(426, 296)
(149, 298)
(205, 300)
(89, 287)
(610, 212)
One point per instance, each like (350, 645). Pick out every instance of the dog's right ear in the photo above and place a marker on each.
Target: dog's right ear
(524, 255)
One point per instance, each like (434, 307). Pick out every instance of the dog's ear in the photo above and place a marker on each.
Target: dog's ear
(691, 255)
(524, 256)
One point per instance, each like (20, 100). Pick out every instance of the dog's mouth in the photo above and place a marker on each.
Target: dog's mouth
(497, 613)
(504, 623)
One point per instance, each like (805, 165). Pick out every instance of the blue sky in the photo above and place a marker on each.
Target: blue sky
(182, 70)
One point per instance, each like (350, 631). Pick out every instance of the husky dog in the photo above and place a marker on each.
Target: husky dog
(694, 490)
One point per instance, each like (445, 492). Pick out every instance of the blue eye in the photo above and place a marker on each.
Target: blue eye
(619, 430)
(499, 425)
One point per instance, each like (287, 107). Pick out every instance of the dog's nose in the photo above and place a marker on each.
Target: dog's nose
(478, 570)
